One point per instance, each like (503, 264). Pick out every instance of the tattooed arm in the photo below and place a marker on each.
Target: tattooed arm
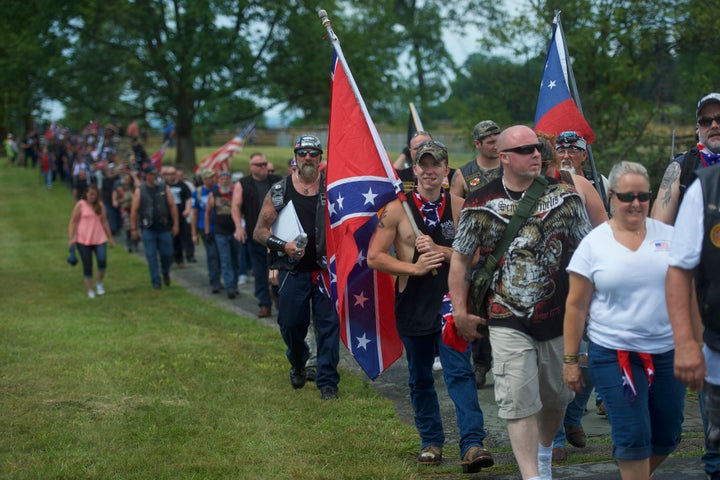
(394, 229)
(666, 204)
(457, 184)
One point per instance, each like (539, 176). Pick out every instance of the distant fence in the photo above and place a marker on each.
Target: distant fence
(393, 141)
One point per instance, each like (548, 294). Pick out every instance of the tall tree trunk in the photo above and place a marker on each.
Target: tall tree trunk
(185, 140)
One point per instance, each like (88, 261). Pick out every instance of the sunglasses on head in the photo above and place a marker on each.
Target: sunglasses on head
(630, 197)
(525, 149)
(312, 153)
(707, 121)
(568, 137)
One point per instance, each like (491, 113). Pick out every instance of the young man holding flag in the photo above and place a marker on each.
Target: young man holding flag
(422, 264)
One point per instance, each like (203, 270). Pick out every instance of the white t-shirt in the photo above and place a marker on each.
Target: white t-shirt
(689, 229)
(628, 309)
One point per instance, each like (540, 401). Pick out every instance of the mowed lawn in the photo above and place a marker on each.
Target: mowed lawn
(145, 384)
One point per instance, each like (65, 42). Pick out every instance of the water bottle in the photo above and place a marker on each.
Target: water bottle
(301, 241)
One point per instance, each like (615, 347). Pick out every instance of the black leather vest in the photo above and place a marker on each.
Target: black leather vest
(708, 271)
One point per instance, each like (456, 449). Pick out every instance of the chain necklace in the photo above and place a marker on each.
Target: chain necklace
(507, 192)
(306, 187)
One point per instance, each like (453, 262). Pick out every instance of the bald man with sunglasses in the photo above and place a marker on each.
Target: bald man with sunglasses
(526, 301)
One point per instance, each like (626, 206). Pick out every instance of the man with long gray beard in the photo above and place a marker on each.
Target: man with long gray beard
(301, 265)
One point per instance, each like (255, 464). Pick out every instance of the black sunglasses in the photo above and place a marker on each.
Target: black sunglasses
(259, 164)
(707, 121)
(312, 153)
(525, 149)
(630, 197)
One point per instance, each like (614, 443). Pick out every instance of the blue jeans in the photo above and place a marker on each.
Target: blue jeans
(212, 258)
(228, 250)
(86, 252)
(650, 424)
(113, 217)
(154, 243)
(258, 259)
(420, 354)
(460, 381)
(244, 261)
(298, 295)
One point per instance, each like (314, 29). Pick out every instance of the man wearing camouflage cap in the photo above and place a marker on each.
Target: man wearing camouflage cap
(421, 264)
(486, 164)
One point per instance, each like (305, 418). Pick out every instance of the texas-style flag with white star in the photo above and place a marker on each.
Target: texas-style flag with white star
(556, 111)
(358, 186)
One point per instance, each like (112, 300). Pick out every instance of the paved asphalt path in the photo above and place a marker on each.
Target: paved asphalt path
(393, 385)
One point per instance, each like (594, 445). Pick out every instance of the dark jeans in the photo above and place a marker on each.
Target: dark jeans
(299, 295)
(228, 251)
(258, 260)
(154, 243)
(212, 259)
(182, 242)
(86, 252)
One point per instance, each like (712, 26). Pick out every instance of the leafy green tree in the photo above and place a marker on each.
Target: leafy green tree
(30, 47)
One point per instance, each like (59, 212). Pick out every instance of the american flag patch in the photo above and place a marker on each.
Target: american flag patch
(662, 245)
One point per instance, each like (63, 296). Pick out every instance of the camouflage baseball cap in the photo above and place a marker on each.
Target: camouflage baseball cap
(432, 147)
(485, 129)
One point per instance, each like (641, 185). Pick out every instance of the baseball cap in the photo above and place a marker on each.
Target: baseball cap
(150, 169)
(570, 139)
(485, 129)
(308, 141)
(225, 173)
(432, 147)
(208, 173)
(712, 97)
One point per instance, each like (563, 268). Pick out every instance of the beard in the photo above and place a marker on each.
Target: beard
(224, 189)
(308, 171)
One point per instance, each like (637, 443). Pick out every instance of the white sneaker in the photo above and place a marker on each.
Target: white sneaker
(100, 289)
(91, 293)
(437, 366)
(242, 279)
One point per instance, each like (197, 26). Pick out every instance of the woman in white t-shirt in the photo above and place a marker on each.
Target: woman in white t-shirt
(617, 277)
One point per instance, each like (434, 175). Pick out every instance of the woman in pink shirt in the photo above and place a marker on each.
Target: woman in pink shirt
(89, 231)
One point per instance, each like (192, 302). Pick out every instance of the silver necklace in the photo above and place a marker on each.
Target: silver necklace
(507, 192)
(306, 187)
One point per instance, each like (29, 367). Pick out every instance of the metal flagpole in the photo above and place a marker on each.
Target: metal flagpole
(576, 97)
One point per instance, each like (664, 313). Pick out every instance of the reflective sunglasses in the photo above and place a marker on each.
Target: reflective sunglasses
(312, 153)
(630, 197)
(707, 121)
(525, 149)
(259, 164)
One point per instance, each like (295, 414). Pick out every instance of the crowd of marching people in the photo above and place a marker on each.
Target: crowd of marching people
(584, 287)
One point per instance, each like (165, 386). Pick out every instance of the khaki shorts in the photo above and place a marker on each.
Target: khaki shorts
(528, 373)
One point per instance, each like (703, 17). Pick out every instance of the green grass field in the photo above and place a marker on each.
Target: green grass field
(146, 384)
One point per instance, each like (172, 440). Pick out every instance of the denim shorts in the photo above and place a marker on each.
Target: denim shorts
(651, 424)
(527, 374)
